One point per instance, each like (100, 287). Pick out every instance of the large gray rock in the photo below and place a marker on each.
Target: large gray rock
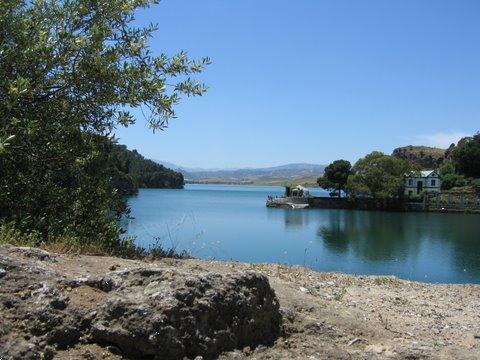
(157, 313)
(34, 318)
(170, 314)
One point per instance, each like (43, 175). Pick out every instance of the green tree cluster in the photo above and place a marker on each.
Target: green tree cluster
(376, 175)
(382, 176)
(379, 176)
(450, 178)
(462, 167)
(70, 73)
(335, 176)
(466, 157)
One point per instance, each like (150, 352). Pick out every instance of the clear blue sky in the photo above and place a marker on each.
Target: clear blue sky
(316, 80)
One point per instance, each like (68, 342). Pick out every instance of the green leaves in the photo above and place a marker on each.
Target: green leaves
(18, 87)
(70, 72)
(83, 51)
(466, 156)
(335, 176)
(378, 175)
(5, 143)
(190, 87)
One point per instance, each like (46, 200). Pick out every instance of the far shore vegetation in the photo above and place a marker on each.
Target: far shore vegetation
(382, 176)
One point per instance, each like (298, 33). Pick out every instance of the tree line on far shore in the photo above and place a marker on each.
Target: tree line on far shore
(382, 176)
(132, 171)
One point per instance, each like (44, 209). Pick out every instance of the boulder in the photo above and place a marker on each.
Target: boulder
(144, 312)
(174, 314)
(33, 309)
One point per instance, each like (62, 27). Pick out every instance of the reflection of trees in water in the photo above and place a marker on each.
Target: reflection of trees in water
(380, 236)
(374, 236)
(464, 237)
(296, 218)
(335, 235)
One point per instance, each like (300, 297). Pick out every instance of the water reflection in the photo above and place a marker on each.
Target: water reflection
(430, 241)
(295, 219)
(233, 222)
(372, 236)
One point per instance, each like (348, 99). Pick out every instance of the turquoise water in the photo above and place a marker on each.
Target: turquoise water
(232, 222)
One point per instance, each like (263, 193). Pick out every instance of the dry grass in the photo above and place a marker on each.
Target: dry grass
(124, 248)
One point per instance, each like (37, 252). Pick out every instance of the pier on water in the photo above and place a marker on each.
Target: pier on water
(297, 197)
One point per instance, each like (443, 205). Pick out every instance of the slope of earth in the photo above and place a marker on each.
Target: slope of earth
(324, 315)
(422, 157)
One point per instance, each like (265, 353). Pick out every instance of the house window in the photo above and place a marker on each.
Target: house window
(410, 182)
(410, 192)
(434, 183)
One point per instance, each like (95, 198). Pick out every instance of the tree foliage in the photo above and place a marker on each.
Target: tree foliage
(335, 176)
(466, 157)
(70, 72)
(447, 168)
(451, 180)
(378, 176)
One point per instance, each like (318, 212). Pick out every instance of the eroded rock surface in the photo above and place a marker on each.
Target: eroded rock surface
(93, 307)
(145, 312)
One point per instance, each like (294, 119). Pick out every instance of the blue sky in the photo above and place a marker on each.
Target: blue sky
(316, 80)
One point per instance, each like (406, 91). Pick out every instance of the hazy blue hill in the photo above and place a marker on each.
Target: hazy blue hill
(288, 171)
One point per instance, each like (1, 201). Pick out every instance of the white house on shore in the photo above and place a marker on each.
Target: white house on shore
(419, 181)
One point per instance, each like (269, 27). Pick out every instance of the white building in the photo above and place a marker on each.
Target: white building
(427, 180)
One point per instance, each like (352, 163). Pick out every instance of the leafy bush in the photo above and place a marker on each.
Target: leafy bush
(70, 71)
(450, 181)
(467, 156)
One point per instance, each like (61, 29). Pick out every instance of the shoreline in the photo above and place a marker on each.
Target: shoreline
(325, 315)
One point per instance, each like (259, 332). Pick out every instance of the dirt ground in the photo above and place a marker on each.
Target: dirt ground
(329, 315)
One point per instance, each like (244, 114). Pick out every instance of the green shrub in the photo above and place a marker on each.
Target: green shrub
(451, 180)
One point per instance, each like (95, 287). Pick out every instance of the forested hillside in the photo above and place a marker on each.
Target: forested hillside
(133, 171)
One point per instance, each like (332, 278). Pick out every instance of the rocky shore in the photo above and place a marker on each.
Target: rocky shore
(57, 306)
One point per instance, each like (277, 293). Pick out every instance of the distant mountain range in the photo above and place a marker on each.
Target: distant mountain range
(245, 175)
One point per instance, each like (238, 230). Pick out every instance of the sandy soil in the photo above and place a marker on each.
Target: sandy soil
(329, 315)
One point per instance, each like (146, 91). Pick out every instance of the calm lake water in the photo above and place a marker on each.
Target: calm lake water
(232, 222)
